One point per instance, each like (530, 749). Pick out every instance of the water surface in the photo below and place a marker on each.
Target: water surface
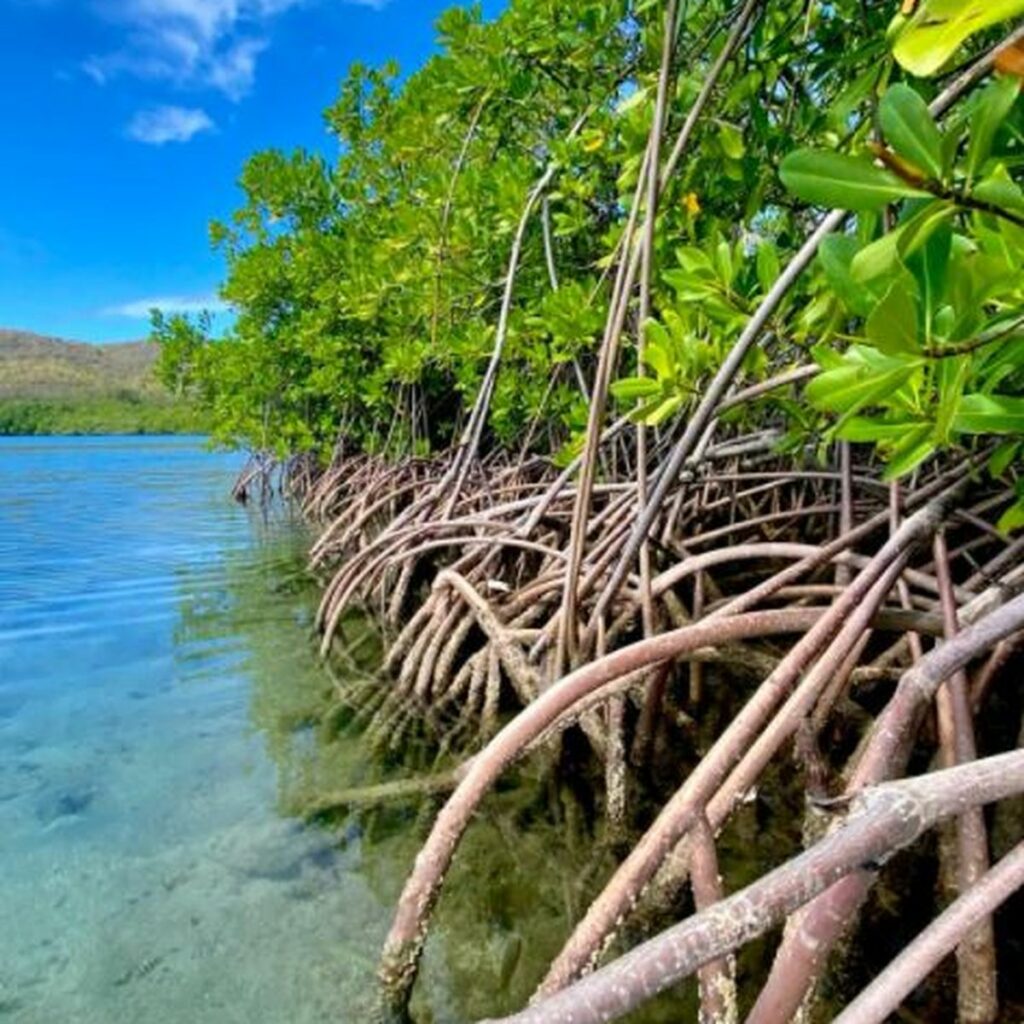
(163, 721)
(153, 655)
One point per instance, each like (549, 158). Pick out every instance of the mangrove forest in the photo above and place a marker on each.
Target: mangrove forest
(652, 375)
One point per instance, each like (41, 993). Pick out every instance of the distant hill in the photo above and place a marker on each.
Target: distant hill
(50, 386)
(34, 367)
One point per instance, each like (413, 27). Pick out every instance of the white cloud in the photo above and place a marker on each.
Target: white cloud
(140, 309)
(192, 43)
(168, 124)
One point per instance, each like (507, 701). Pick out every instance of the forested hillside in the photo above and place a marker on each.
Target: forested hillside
(52, 386)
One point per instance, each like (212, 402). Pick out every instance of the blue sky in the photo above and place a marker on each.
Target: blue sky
(125, 123)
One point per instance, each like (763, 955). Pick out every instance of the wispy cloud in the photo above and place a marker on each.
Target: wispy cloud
(168, 124)
(192, 43)
(139, 309)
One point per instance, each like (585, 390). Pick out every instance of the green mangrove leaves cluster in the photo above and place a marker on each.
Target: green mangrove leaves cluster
(928, 287)
(368, 288)
(712, 292)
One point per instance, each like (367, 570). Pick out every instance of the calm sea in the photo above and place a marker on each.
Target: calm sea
(154, 665)
(163, 719)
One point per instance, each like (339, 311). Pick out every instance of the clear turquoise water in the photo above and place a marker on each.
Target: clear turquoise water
(152, 654)
(163, 716)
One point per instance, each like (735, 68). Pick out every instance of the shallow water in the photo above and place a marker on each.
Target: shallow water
(146, 872)
(163, 719)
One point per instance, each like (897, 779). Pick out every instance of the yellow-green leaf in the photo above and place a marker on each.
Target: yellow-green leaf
(937, 29)
(852, 387)
(658, 411)
(1013, 518)
(630, 388)
(909, 453)
(990, 414)
(730, 138)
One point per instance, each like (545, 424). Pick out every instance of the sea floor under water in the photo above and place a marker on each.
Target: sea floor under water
(146, 872)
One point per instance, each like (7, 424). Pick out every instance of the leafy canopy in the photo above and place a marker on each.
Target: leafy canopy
(367, 286)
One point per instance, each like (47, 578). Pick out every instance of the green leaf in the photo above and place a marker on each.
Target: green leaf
(1003, 361)
(659, 360)
(919, 228)
(730, 138)
(832, 179)
(930, 267)
(836, 254)
(658, 411)
(724, 264)
(694, 260)
(994, 103)
(910, 129)
(768, 265)
(861, 430)
(882, 256)
(909, 453)
(1012, 519)
(951, 378)
(658, 350)
(1002, 458)
(877, 259)
(892, 325)
(989, 414)
(927, 40)
(628, 389)
(1001, 190)
(851, 387)
(851, 97)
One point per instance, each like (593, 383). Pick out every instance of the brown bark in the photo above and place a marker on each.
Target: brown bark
(626, 886)
(404, 944)
(948, 931)
(812, 933)
(880, 821)
(717, 979)
(521, 674)
(977, 1001)
(982, 683)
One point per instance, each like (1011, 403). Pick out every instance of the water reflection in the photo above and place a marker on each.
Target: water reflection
(146, 874)
(521, 875)
(163, 722)
(526, 869)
